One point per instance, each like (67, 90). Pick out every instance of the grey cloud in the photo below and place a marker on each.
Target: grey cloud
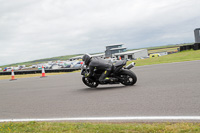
(38, 29)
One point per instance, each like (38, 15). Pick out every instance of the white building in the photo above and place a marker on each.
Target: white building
(142, 53)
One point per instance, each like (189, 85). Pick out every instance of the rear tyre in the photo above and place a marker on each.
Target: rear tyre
(128, 77)
(89, 83)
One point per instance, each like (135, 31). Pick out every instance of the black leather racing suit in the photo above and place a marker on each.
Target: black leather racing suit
(100, 64)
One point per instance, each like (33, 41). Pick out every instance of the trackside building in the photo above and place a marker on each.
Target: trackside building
(114, 48)
(142, 53)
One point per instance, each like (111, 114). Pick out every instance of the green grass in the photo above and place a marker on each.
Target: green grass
(188, 55)
(169, 46)
(163, 50)
(163, 47)
(52, 127)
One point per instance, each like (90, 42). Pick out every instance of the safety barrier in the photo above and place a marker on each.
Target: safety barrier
(40, 71)
(195, 46)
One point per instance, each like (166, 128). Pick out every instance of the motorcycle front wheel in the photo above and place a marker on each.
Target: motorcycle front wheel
(89, 83)
(128, 77)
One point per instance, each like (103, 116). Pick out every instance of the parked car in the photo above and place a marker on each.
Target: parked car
(55, 66)
(67, 64)
(7, 69)
(77, 64)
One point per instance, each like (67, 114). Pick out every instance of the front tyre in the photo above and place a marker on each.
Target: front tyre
(128, 77)
(89, 83)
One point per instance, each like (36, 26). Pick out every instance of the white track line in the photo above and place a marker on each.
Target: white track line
(143, 118)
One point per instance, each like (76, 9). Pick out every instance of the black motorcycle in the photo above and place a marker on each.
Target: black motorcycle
(120, 74)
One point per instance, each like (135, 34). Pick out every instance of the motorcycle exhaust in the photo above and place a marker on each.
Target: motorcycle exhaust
(130, 65)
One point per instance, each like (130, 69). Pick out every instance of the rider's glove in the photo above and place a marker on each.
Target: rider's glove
(86, 74)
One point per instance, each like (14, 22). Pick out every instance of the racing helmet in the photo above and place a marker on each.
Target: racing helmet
(86, 58)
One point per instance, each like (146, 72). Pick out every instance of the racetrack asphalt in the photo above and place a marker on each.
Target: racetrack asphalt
(161, 90)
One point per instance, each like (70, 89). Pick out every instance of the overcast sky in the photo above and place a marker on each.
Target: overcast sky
(35, 29)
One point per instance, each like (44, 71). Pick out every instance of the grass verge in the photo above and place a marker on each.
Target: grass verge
(98, 127)
(189, 55)
(163, 50)
(32, 75)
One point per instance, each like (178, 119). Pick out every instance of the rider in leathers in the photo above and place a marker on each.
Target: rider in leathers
(98, 63)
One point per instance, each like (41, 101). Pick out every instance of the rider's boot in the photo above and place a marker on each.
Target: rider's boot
(113, 79)
(107, 80)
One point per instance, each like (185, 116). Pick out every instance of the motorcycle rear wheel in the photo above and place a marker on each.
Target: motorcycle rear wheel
(91, 84)
(129, 77)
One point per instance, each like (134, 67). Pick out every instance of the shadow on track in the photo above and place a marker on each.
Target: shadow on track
(104, 88)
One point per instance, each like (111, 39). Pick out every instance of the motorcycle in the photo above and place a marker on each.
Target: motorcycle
(119, 74)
